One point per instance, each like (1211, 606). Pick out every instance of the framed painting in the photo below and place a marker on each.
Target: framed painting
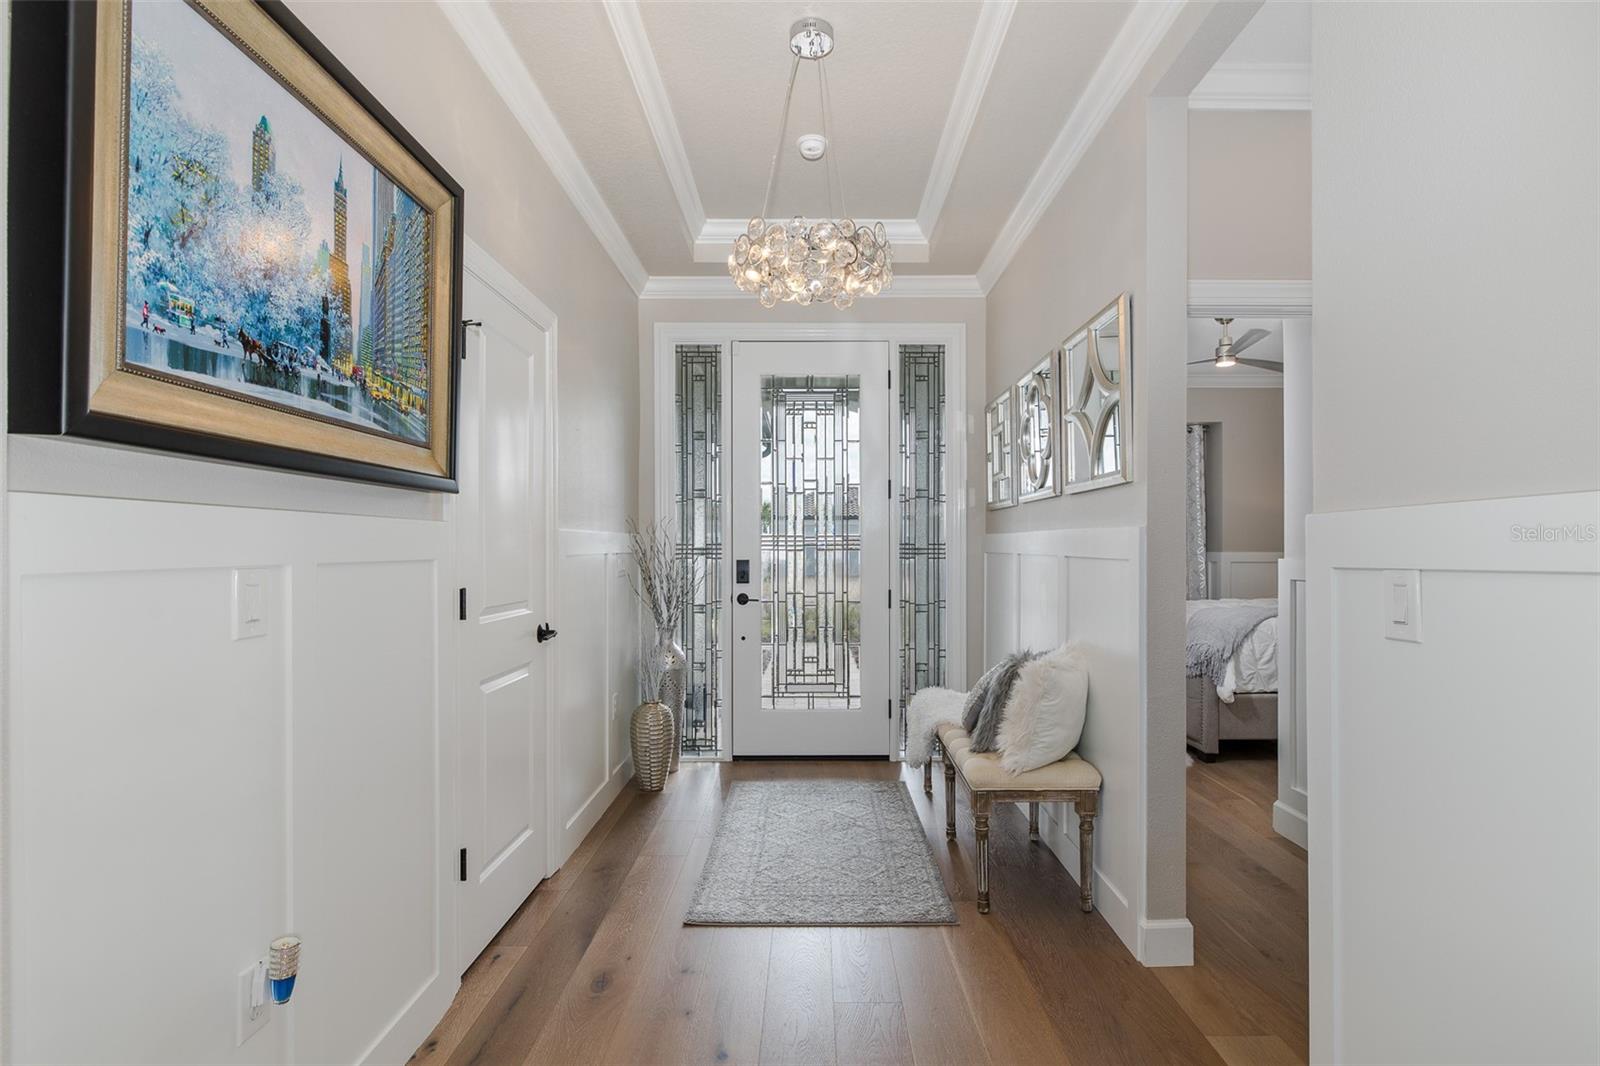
(222, 244)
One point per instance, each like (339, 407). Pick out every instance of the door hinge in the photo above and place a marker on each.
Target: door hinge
(891, 599)
(891, 708)
(462, 596)
(463, 864)
(889, 376)
(891, 488)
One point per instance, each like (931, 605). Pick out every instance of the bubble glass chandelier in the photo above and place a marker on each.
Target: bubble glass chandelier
(810, 261)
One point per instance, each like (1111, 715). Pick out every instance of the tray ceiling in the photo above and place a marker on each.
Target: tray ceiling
(941, 114)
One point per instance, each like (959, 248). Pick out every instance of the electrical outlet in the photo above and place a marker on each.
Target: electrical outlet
(250, 1003)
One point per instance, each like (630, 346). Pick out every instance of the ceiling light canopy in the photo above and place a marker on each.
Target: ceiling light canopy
(810, 261)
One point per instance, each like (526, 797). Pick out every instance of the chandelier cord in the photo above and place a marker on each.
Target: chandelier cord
(830, 161)
(783, 125)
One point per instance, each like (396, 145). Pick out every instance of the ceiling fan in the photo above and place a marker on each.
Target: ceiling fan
(1228, 349)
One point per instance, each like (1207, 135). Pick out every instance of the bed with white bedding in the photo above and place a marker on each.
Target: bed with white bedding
(1243, 704)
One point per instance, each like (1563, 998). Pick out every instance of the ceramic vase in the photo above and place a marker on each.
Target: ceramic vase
(653, 735)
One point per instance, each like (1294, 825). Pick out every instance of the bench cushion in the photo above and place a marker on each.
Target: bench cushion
(982, 771)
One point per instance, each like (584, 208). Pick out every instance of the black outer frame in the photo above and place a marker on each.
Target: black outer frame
(49, 217)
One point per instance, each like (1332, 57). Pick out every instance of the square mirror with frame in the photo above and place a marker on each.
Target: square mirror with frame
(1096, 398)
(1036, 447)
(999, 422)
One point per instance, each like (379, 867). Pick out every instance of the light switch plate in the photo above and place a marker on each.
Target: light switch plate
(1402, 605)
(251, 590)
(250, 1020)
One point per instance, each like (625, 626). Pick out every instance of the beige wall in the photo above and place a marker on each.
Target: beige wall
(518, 213)
(1250, 194)
(1244, 467)
(1119, 224)
(965, 312)
(1456, 222)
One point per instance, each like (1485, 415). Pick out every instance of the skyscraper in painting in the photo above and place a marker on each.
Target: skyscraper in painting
(338, 264)
(263, 157)
(399, 286)
(363, 349)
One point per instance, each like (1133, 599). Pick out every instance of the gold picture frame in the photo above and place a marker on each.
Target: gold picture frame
(329, 406)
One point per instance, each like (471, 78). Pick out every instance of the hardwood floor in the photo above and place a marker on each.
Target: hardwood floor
(597, 967)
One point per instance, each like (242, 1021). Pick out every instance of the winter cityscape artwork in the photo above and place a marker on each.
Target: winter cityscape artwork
(267, 257)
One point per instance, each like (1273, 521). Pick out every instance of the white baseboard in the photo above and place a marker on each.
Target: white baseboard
(572, 834)
(1288, 822)
(1166, 942)
(1109, 900)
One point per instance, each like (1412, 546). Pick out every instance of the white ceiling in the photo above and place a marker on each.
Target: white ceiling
(1203, 335)
(942, 113)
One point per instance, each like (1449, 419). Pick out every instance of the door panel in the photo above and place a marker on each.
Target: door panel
(502, 691)
(810, 505)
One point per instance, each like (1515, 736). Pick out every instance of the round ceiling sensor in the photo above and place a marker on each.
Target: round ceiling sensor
(811, 38)
(812, 146)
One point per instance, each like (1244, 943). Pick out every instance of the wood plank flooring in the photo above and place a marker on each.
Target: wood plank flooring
(597, 967)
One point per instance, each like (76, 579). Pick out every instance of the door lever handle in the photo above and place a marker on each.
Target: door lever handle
(544, 632)
(742, 599)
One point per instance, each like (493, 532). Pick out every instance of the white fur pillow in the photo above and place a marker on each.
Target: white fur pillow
(1044, 717)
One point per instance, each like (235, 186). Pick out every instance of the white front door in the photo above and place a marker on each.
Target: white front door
(501, 530)
(810, 503)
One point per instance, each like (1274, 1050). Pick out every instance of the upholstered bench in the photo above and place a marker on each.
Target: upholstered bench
(1071, 780)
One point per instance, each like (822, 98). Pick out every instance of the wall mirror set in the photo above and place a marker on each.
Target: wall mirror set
(1065, 426)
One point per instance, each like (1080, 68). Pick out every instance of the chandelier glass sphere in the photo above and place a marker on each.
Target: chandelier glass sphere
(810, 261)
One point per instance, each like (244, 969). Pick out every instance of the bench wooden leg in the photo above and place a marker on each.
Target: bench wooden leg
(949, 799)
(1086, 813)
(1033, 823)
(927, 771)
(980, 828)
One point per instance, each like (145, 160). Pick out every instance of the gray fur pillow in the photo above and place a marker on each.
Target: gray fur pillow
(992, 698)
(974, 704)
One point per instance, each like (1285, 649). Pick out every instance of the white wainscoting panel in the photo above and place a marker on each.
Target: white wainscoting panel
(1044, 588)
(1454, 807)
(177, 797)
(1242, 575)
(1289, 810)
(596, 691)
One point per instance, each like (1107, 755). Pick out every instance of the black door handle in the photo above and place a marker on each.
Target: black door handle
(544, 632)
(742, 599)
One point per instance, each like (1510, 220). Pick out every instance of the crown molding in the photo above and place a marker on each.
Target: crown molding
(1249, 299)
(1254, 87)
(637, 56)
(718, 234)
(994, 19)
(485, 37)
(721, 287)
(1146, 24)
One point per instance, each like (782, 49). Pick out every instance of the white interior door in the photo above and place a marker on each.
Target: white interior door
(502, 695)
(810, 524)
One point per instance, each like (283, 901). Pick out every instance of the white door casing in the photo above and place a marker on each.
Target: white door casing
(848, 715)
(504, 534)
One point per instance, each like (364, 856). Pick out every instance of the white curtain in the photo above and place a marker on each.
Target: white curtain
(1195, 526)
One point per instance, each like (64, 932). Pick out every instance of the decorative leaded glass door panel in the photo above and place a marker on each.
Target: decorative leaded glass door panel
(812, 671)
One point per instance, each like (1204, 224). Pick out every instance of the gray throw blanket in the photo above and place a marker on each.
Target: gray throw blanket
(987, 701)
(1215, 633)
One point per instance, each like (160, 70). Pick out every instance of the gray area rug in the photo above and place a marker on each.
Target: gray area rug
(820, 853)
